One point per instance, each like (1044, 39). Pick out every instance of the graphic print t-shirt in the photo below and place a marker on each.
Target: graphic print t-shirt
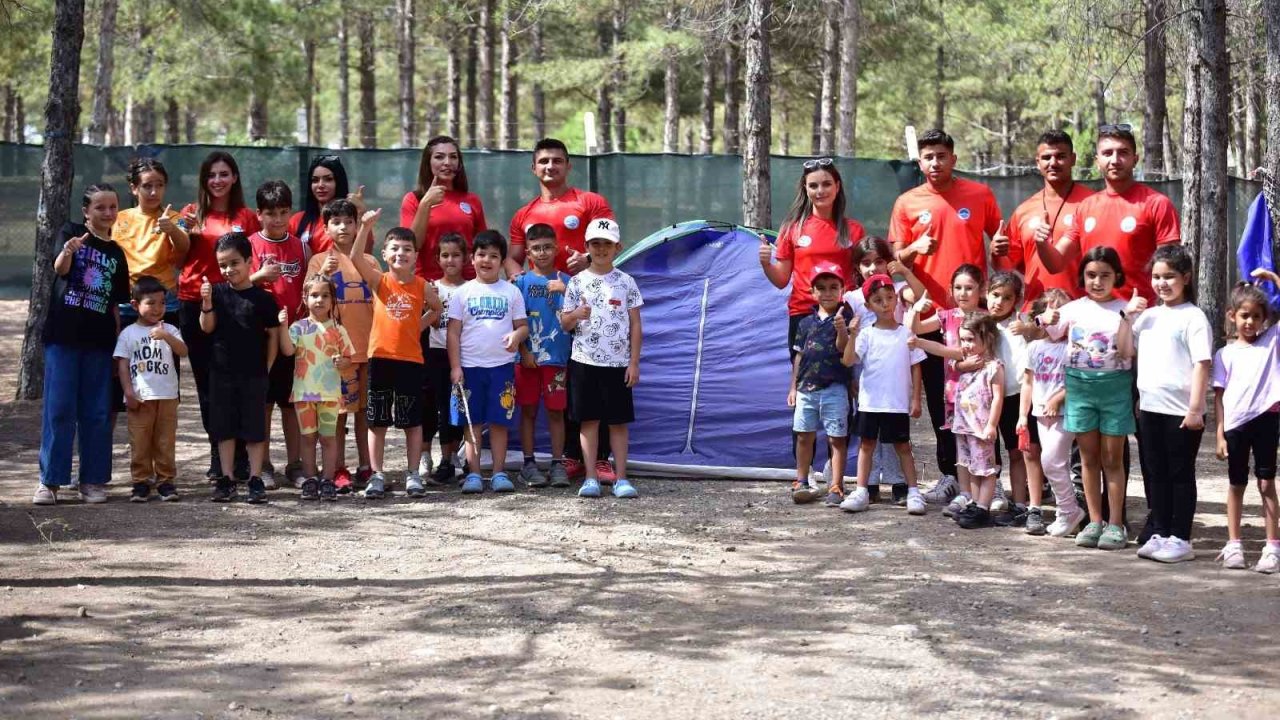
(547, 341)
(315, 378)
(487, 312)
(397, 312)
(152, 367)
(81, 310)
(604, 339)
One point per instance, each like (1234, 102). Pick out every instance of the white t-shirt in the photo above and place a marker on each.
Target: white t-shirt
(1249, 376)
(866, 315)
(1091, 328)
(151, 362)
(437, 334)
(604, 339)
(1170, 341)
(488, 312)
(1045, 361)
(1011, 351)
(886, 369)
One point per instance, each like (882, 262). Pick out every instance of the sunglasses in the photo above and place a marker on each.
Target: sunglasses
(1120, 127)
(327, 158)
(819, 163)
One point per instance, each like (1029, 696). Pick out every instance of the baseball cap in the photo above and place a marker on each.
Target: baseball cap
(826, 268)
(604, 229)
(874, 283)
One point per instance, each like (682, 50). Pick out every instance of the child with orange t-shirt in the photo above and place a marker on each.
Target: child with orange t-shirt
(353, 305)
(396, 367)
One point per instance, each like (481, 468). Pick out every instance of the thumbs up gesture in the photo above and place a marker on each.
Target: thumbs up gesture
(840, 325)
(357, 198)
(206, 292)
(330, 265)
(1043, 230)
(766, 251)
(270, 270)
(926, 244)
(1000, 242)
(73, 245)
(924, 304)
(1137, 304)
(434, 195)
(164, 223)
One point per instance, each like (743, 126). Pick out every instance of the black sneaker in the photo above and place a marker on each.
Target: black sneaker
(311, 489)
(328, 491)
(141, 493)
(224, 489)
(443, 475)
(1020, 516)
(978, 518)
(167, 492)
(969, 509)
(257, 491)
(873, 493)
(899, 493)
(1035, 522)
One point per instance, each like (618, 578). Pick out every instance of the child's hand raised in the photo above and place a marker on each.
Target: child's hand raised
(841, 326)
(370, 217)
(1049, 317)
(1137, 304)
(270, 270)
(158, 332)
(555, 285)
(164, 223)
(766, 251)
(330, 265)
(582, 313)
(924, 304)
(283, 316)
(73, 245)
(206, 289)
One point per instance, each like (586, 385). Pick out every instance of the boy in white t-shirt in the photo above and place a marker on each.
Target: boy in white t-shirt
(486, 326)
(889, 390)
(147, 355)
(602, 310)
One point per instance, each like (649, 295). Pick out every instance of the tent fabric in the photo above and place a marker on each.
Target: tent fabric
(715, 369)
(1256, 245)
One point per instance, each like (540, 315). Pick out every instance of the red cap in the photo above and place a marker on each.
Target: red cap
(826, 268)
(874, 283)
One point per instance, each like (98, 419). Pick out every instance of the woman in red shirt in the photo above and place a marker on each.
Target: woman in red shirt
(219, 209)
(441, 203)
(325, 180)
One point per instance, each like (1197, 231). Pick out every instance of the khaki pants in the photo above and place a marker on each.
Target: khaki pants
(153, 431)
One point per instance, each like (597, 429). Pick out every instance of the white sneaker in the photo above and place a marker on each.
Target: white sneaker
(45, 495)
(1067, 523)
(1151, 547)
(413, 485)
(942, 493)
(857, 501)
(268, 479)
(1175, 550)
(93, 494)
(424, 465)
(1000, 502)
(958, 503)
(1269, 563)
(1232, 557)
(915, 502)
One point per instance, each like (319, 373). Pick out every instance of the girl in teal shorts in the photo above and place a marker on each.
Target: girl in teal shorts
(1099, 382)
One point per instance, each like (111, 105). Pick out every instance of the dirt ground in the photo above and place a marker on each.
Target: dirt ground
(707, 599)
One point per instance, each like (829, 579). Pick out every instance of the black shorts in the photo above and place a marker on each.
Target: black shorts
(885, 427)
(1260, 436)
(599, 393)
(280, 381)
(395, 393)
(236, 407)
(1008, 424)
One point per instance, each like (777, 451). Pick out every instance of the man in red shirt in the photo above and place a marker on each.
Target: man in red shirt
(1043, 218)
(568, 210)
(560, 205)
(1126, 215)
(936, 228)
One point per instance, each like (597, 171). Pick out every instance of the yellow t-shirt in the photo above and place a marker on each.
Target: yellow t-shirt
(147, 250)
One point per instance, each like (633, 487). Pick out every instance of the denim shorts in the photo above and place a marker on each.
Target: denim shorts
(826, 409)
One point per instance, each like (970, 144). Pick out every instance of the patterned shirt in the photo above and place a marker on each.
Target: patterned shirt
(820, 365)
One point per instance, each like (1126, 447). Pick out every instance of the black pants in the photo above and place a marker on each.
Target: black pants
(934, 387)
(199, 351)
(1171, 457)
(436, 394)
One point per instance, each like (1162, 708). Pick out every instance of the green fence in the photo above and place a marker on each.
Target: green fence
(646, 191)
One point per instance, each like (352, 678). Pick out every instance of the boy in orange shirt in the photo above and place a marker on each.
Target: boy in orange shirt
(396, 367)
(354, 309)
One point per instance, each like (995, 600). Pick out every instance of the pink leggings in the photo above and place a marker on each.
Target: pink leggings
(1055, 458)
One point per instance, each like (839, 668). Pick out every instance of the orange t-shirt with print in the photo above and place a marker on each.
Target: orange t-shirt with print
(1133, 222)
(147, 250)
(397, 311)
(959, 215)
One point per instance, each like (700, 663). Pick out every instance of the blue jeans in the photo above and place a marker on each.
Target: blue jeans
(77, 401)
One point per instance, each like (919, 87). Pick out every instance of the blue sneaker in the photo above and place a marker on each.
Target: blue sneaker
(473, 484)
(622, 488)
(590, 488)
(501, 483)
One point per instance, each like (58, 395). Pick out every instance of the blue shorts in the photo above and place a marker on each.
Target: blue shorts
(827, 409)
(491, 396)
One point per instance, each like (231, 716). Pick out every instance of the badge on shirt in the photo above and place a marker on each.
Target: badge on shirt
(571, 222)
(804, 241)
(465, 207)
(1129, 224)
(963, 213)
(1090, 223)
(237, 228)
(925, 218)
(615, 302)
(1068, 219)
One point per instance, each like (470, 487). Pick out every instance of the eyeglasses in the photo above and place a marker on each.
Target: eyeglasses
(1119, 127)
(820, 162)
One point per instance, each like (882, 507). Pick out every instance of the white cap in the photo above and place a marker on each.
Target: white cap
(604, 229)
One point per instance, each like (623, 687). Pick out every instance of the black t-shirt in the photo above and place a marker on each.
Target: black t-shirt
(82, 310)
(240, 335)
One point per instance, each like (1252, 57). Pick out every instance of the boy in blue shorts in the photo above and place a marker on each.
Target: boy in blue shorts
(541, 372)
(486, 326)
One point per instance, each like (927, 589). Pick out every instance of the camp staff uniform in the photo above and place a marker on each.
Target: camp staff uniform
(959, 216)
(1132, 222)
(568, 215)
(1024, 223)
(459, 212)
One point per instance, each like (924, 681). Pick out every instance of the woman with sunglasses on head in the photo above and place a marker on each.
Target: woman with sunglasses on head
(326, 179)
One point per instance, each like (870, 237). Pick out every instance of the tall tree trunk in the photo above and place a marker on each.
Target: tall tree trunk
(1271, 22)
(1215, 244)
(784, 141)
(20, 120)
(189, 124)
(103, 76)
(1170, 149)
(172, 122)
(732, 79)
(453, 96)
(815, 125)
(830, 64)
(671, 86)
(405, 11)
(309, 90)
(756, 198)
(1236, 116)
(688, 139)
(619, 77)
(539, 97)
(6, 132)
(61, 112)
(940, 94)
(144, 109)
(850, 33)
(344, 82)
(509, 108)
(1153, 85)
(257, 125)
(707, 134)
(604, 99)
(484, 103)
(1008, 135)
(470, 94)
(1192, 117)
(1099, 102)
(368, 94)
(1252, 138)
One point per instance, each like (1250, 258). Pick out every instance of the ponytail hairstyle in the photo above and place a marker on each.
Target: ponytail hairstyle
(1246, 292)
(140, 165)
(94, 189)
(1178, 258)
(866, 246)
(204, 201)
(801, 208)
